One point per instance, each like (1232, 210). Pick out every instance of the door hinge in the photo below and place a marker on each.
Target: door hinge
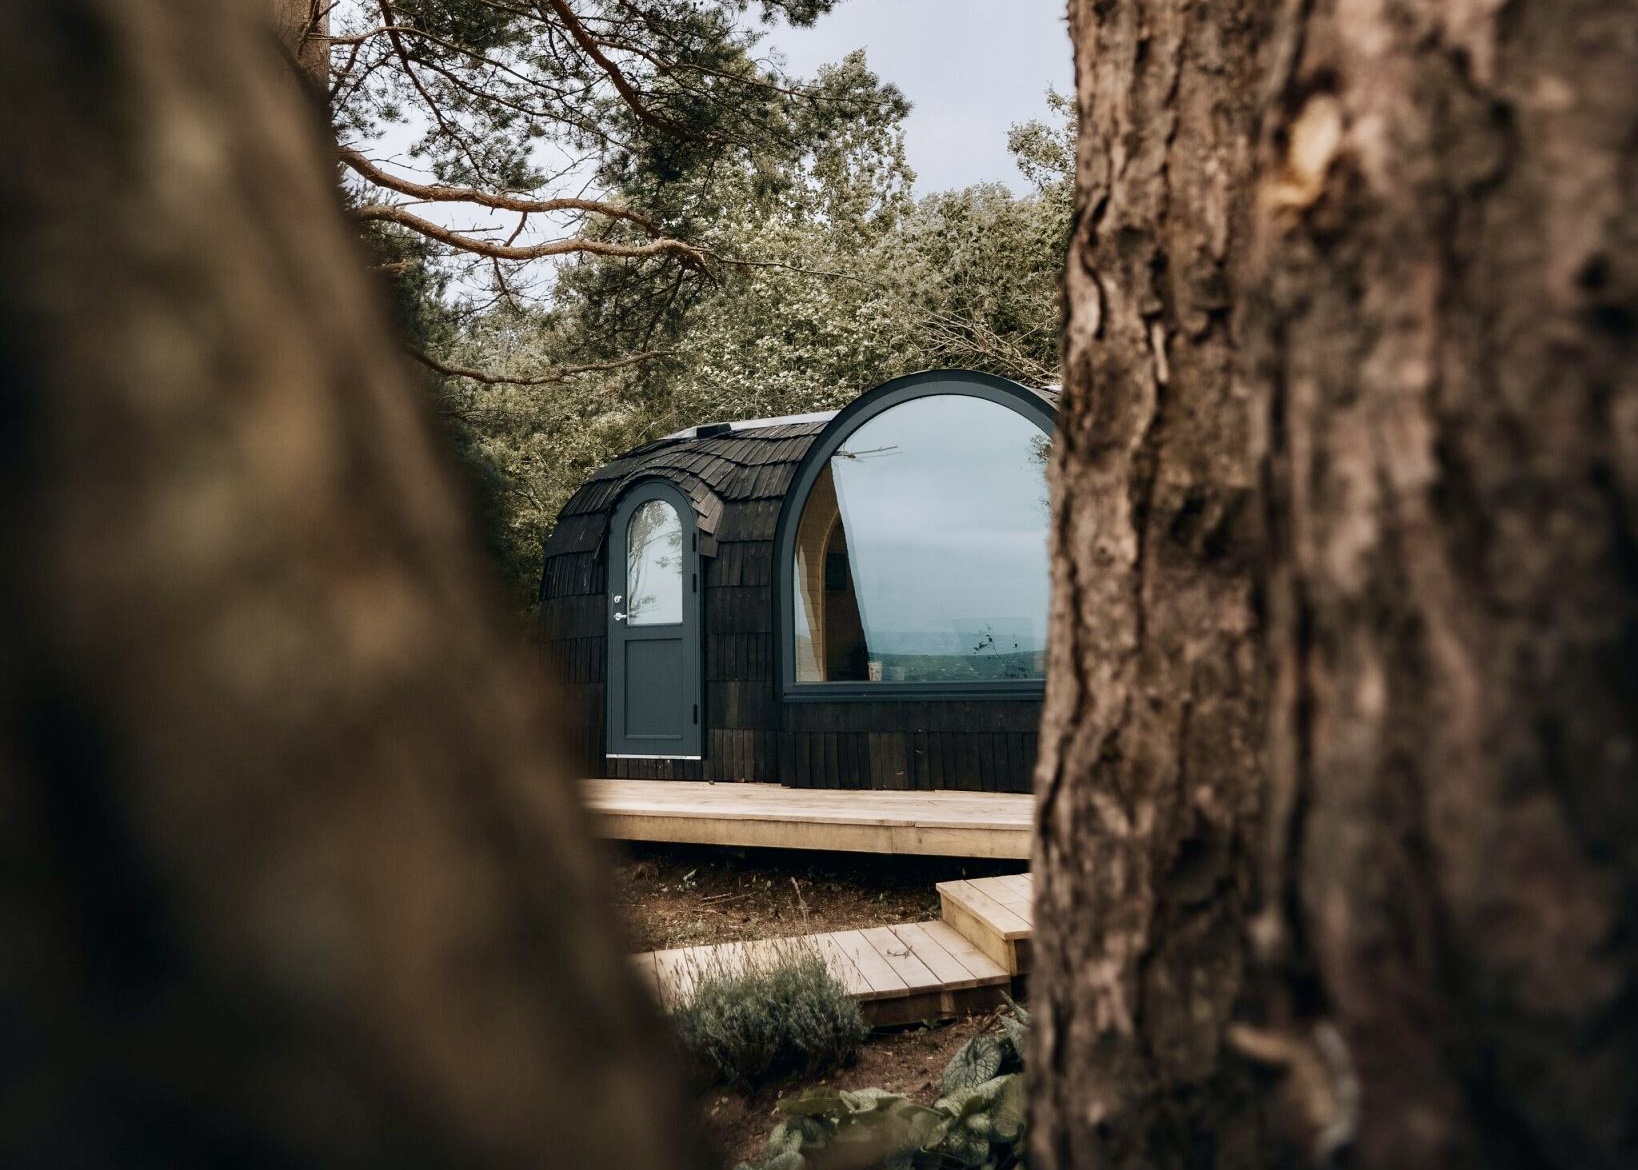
(696, 714)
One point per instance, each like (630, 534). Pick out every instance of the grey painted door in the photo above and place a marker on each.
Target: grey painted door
(654, 627)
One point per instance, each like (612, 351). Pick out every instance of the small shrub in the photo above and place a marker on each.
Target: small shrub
(781, 1014)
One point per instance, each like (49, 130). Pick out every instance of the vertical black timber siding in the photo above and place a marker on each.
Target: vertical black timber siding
(737, 482)
(986, 746)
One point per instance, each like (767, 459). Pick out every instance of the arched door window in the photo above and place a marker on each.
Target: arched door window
(654, 565)
(914, 549)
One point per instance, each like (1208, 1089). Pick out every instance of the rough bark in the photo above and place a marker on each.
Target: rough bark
(1429, 956)
(287, 875)
(1443, 324)
(1150, 746)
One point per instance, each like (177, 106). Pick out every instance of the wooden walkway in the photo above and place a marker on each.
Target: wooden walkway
(951, 824)
(900, 974)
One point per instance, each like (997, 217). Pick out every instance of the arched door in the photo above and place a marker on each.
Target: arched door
(654, 627)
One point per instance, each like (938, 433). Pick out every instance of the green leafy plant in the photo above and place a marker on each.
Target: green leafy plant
(978, 1122)
(780, 1013)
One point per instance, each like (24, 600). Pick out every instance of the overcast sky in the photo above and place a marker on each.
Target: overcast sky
(971, 69)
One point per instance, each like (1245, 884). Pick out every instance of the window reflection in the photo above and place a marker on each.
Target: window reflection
(654, 565)
(921, 551)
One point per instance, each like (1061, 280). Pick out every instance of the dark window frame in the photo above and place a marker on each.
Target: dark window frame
(929, 383)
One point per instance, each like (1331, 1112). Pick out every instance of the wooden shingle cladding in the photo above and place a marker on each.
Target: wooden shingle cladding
(738, 483)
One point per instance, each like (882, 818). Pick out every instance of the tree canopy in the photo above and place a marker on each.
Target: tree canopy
(603, 220)
(846, 280)
(505, 133)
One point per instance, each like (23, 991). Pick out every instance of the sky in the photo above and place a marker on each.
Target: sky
(971, 69)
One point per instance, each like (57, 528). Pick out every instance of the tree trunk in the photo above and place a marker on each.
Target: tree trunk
(1151, 739)
(303, 28)
(1429, 957)
(1442, 322)
(289, 876)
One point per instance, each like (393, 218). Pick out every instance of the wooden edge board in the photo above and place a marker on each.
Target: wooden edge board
(962, 841)
(980, 934)
(904, 1009)
(877, 820)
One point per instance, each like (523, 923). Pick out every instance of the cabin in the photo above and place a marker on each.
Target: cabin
(854, 599)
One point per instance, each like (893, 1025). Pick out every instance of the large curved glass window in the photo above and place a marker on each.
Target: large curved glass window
(920, 554)
(654, 565)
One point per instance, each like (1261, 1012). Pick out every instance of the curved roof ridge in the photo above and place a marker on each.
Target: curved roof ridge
(707, 430)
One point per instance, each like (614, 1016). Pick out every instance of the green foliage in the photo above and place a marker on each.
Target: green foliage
(847, 282)
(798, 269)
(783, 1014)
(978, 1122)
(637, 102)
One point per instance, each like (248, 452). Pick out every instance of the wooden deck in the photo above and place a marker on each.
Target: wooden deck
(950, 824)
(900, 974)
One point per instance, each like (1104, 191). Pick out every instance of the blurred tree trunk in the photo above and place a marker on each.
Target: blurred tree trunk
(1435, 282)
(289, 876)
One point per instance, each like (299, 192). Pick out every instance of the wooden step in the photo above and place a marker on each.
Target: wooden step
(900, 974)
(995, 915)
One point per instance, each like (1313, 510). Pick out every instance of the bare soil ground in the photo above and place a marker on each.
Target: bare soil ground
(687, 895)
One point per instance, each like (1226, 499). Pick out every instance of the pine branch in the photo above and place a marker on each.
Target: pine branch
(687, 253)
(442, 193)
(553, 376)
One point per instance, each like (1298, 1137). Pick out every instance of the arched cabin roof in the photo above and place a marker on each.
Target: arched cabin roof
(736, 479)
(735, 473)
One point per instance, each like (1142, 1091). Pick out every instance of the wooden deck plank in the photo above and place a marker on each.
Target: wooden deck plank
(1015, 891)
(843, 966)
(1007, 922)
(906, 964)
(957, 824)
(900, 974)
(982, 968)
(643, 965)
(950, 971)
(674, 975)
(877, 971)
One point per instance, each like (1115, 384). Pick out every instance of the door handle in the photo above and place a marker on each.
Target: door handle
(619, 617)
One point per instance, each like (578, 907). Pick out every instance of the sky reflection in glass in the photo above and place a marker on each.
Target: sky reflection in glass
(943, 505)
